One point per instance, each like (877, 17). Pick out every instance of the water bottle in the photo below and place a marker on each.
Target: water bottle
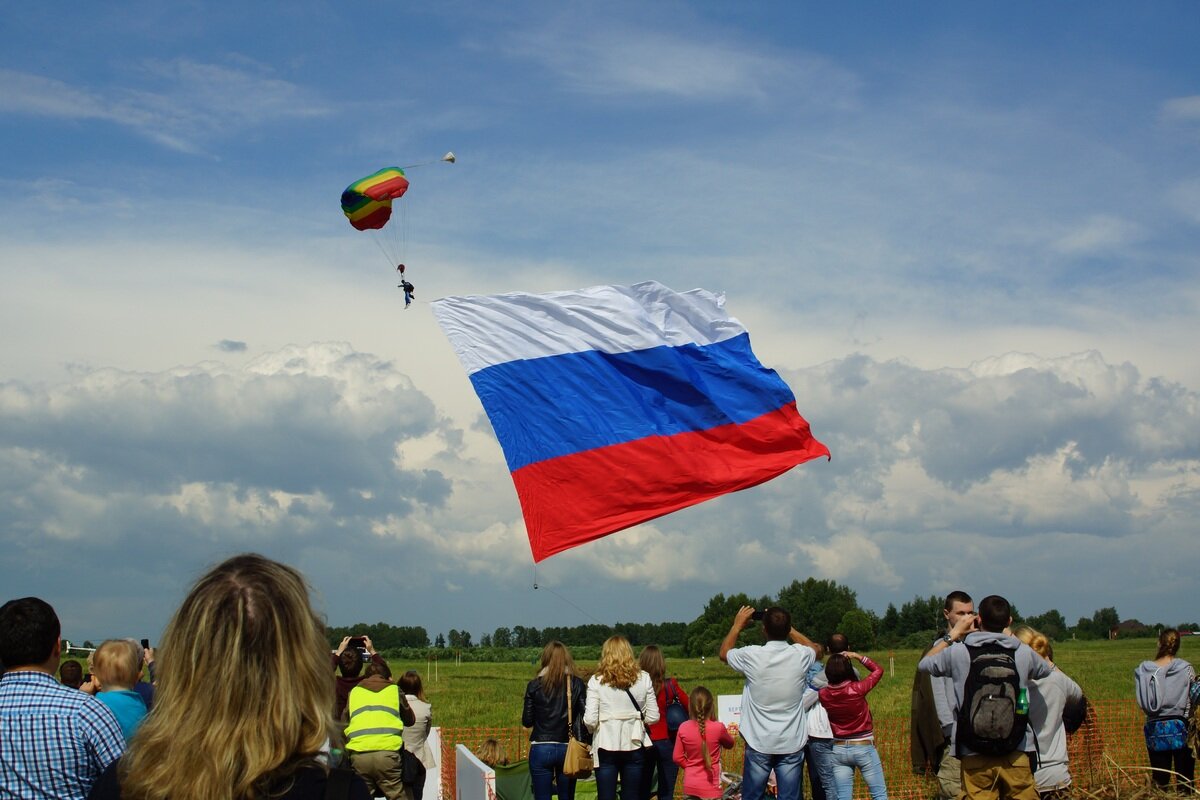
(1023, 701)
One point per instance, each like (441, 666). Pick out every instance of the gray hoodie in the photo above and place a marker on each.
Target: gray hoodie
(955, 662)
(1163, 691)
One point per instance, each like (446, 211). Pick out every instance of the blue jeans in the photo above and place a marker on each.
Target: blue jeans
(864, 756)
(662, 761)
(545, 771)
(789, 776)
(625, 763)
(819, 755)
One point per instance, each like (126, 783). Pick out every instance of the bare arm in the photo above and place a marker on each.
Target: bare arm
(739, 623)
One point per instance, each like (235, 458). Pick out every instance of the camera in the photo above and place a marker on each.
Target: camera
(757, 616)
(359, 644)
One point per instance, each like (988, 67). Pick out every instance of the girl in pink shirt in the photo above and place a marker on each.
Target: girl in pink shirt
(698, 747)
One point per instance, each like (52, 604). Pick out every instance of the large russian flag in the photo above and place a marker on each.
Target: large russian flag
(618, 404)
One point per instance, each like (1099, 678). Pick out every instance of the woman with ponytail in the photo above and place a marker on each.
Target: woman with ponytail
(698, 747)
(1164, 688)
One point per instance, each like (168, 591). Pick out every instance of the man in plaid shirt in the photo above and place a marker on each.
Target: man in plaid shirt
(54, 741)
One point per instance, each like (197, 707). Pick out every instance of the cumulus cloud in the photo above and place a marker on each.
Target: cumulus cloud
(331, 459)
(231, 346)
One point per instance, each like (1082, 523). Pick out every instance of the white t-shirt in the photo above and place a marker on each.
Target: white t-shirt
(772, 712)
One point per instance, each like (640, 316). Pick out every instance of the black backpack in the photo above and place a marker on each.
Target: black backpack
(990, 721)
(676, 713)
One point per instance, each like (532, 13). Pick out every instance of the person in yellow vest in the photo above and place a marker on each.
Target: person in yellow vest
(376, 714)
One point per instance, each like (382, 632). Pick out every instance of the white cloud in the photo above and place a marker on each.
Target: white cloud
(1182, 108)
(615, 60)
(185, 103)
(1100, 233)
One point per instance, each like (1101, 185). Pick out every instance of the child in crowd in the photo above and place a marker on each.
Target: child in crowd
(493, 754)
(70, 673)
(698, 747)
(115, 669)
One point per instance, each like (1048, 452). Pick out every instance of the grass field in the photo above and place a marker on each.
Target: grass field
(490, 695)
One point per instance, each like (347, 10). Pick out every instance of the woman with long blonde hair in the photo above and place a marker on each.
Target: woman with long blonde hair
(244, 699)
(545, 713)
(620, 707)
(698, 747)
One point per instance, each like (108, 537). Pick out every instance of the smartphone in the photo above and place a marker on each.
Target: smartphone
(757, 616)
(145, 644)
(87, 677)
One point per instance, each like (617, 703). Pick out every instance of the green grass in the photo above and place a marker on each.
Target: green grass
(490, 694)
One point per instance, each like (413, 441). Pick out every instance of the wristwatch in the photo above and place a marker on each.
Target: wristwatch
(948, 639)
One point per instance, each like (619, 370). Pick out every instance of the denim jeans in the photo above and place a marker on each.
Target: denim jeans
(864, 756)
(789, 778)
(819, 755)
(545, 771)
(625, 763)
(661, 761)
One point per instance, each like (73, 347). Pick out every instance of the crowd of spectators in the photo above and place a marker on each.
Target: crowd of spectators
(991, 710)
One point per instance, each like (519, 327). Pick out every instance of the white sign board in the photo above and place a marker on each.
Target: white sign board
(729, 709)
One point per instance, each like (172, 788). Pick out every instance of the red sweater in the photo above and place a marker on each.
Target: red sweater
(658, 730)
(846, 704)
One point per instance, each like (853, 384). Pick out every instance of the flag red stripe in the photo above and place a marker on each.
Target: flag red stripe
(582, 496)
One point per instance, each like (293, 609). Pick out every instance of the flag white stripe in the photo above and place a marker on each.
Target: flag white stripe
(486, 330)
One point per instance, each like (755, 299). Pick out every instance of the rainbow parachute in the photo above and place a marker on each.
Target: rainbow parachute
(367, 202)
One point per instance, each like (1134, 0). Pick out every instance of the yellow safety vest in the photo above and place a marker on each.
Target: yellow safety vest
(375, 722)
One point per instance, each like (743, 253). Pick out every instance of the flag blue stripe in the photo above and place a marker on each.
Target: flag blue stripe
(549, 407)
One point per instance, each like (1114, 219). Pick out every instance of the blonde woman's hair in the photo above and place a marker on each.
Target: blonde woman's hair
(617, 667)
(1037, 640)
(1168, 643)
(702, 709)
(493, 753)
(244, 694)
(652, 661)
(555, 667)
(117, 663)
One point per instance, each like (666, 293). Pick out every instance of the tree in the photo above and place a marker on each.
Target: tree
(1104, 620)
(485, 640)
(1052, 623)
(856, 625)
(440, 642)
(817, 606)
(890, 624)
(502, 638)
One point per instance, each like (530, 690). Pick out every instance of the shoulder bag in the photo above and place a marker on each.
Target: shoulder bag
(648, 741)
(578, 761)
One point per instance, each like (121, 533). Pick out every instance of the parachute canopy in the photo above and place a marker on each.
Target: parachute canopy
(367, 202)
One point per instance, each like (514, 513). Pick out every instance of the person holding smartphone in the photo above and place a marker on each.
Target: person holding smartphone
(773, 721)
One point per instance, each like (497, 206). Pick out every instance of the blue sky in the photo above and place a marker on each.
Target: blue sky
(966, 236)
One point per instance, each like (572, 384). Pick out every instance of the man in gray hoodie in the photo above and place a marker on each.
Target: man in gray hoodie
(988, 777)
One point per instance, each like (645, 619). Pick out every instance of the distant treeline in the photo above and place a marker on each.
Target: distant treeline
(818, 609)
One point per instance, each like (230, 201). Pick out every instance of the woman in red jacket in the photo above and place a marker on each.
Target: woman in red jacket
(669, 693)
(845, 701)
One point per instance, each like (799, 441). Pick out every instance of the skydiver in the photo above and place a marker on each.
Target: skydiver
(408, 292)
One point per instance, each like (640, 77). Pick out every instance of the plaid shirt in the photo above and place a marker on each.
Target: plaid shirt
(54, 741)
